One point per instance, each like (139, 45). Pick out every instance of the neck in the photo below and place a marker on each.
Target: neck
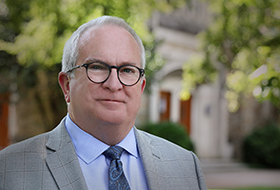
(109, 133)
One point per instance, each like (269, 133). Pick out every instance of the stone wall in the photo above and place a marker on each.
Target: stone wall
(251, 115)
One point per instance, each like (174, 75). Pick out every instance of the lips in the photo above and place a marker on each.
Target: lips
(111, 100)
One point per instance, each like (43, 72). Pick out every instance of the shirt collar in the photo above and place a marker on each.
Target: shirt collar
(88, 148)
(129, 143)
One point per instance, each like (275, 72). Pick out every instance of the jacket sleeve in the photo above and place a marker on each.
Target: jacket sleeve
(199, 174)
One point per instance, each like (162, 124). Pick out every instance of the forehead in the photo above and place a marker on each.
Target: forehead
(105, 33)
(111, 44)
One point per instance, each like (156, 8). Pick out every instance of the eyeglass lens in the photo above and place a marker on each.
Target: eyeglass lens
(99, 72)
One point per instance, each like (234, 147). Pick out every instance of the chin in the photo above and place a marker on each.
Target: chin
(112, 119)
(112, 122)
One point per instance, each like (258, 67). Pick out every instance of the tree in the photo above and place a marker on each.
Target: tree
(243, 42)
(33, 33)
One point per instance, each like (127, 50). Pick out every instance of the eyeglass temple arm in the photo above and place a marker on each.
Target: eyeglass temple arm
(73, 68)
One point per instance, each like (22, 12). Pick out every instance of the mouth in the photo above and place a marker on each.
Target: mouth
(111, 100)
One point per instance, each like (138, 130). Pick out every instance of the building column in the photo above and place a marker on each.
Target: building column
(154, 102)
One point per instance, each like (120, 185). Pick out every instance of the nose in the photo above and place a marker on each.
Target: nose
(113, 82)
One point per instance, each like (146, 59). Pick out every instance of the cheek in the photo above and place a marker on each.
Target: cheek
(82, 100)
(79, 91)
(135, 99)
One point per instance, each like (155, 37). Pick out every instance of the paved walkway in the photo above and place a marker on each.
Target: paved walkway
(225, 174)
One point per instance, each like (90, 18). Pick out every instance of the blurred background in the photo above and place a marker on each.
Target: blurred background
(213, 74)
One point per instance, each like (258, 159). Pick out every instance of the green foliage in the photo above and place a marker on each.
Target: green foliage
(262, 147)
(36, 31)
(243, 39)
(170, 131)
(196, 72)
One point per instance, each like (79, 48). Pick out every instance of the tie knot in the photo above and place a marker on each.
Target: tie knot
(114, 152)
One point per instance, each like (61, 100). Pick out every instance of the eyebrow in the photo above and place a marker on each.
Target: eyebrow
(90, 60)
(93, 60)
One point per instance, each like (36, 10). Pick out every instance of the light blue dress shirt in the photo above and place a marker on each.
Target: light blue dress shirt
(95, 166)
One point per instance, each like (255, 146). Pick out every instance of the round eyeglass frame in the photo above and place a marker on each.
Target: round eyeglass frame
(86, 66)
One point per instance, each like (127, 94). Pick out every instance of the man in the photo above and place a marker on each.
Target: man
(102, 79)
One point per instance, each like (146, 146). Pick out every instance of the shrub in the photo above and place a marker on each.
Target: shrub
(262, 147)
(170, 131)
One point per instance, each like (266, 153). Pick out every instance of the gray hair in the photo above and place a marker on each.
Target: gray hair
(71, 49)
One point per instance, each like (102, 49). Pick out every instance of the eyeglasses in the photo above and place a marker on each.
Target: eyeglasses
(99, 72)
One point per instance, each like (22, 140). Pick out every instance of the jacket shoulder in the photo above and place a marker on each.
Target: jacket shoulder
(38, 143)
(167, 162)
(164, 146)
(33, 144)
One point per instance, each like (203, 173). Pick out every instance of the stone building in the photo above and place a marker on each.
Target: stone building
(204, 115)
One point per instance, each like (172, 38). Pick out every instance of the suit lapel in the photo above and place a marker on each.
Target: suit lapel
(150, 156)
(62, 160)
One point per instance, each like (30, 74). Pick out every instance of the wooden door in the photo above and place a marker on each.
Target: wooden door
(185, 114)
(165, 106)
(4, 121)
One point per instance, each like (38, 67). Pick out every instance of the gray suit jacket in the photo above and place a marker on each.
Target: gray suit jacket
(49, 161)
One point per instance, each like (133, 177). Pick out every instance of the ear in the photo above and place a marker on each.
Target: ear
(64, 82)
(143, 84)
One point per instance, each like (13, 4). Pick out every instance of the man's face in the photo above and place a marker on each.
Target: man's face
(109, 102)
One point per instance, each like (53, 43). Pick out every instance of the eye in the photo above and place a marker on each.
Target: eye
(97, 66)
(128, 70)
